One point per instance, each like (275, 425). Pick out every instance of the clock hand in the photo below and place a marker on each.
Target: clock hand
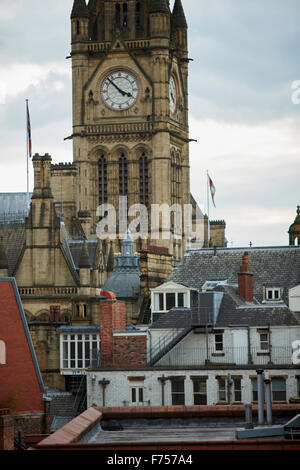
(124, 93)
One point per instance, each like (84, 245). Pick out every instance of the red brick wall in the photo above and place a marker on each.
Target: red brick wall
(130, 351)
(20, 389)
(112, 318)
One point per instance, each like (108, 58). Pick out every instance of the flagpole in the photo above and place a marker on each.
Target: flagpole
(27, 152)
(208, 224)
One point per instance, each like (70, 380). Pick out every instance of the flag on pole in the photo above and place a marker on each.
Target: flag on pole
(212, 189)
(29, 132)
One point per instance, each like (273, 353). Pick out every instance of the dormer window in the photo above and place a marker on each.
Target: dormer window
(273, 294)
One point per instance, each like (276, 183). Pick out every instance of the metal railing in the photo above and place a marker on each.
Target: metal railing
(278, 355)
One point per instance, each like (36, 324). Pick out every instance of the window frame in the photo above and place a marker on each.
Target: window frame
(222, 390)
(200, 394)
(264, 341)
(164, 302)
(76, 351)
(177, 393)
(216, 350)
(237, 390)
(283, 390)
(139, 392)
(273, 291)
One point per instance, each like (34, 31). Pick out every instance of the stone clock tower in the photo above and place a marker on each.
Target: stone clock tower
(130, 108)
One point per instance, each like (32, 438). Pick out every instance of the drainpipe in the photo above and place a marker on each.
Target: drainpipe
(248, 415)
(249, 346)
(163, 380)
(104, 384)
(150, 345)
(269, 402)
(229, 382)
(260, 392)
(270, 346)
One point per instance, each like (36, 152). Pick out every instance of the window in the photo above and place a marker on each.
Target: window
(79, 350)
(137, 395)
(222, 395)
(158, 302)
(182, 300)
(298, 387)
(165, 301)
(123, 175)
(137, 15)
(2, 353)
(254, 390)
(219, 342)
(144, 183)
(177, 391)
(125, 15)
(118, 15)
(264, 342)
(273, 294)
(102, 178)
(278, 389)
(199, 391)
(237, 389)
(77, 27)
(170, 300)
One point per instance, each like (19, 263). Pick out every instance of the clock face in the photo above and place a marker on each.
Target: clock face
(119, 90)
(173, 95)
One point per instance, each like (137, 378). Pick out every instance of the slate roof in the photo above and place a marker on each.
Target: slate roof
(13, 240)
(13, 206)
(175, 318)
(234, 311)
(76, 251)
(271, 266)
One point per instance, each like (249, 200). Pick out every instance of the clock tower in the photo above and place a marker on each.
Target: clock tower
(130, 112)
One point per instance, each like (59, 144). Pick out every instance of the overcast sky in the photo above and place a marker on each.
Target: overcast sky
(245, 60)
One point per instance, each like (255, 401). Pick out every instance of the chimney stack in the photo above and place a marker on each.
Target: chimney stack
(245, 279)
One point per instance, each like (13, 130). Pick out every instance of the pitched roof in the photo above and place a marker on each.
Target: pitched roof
(13, 240)
(84, 260)
(271, 266)
(178, 16)
(234, 311)
(80, 10)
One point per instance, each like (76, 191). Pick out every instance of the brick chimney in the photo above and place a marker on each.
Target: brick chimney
(245, 278)
(119, 347)
(112, 318)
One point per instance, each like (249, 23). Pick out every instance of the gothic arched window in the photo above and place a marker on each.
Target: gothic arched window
(123, 175)
(77, 27)
(118, 15)
(102, 179)
(125, 15)
(137, 15)
(144, 179)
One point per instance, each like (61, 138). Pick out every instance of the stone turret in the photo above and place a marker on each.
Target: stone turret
(84, 265)
(179, 26)
(159, 14)
(294, 230)
(80, 18)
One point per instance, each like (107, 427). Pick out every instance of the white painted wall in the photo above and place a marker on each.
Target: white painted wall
(118, 391)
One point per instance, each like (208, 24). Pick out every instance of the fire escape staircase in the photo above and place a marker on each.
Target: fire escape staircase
(165, 343)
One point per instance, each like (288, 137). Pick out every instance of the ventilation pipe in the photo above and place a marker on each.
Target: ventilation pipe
(260, 392)
(269, 402)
